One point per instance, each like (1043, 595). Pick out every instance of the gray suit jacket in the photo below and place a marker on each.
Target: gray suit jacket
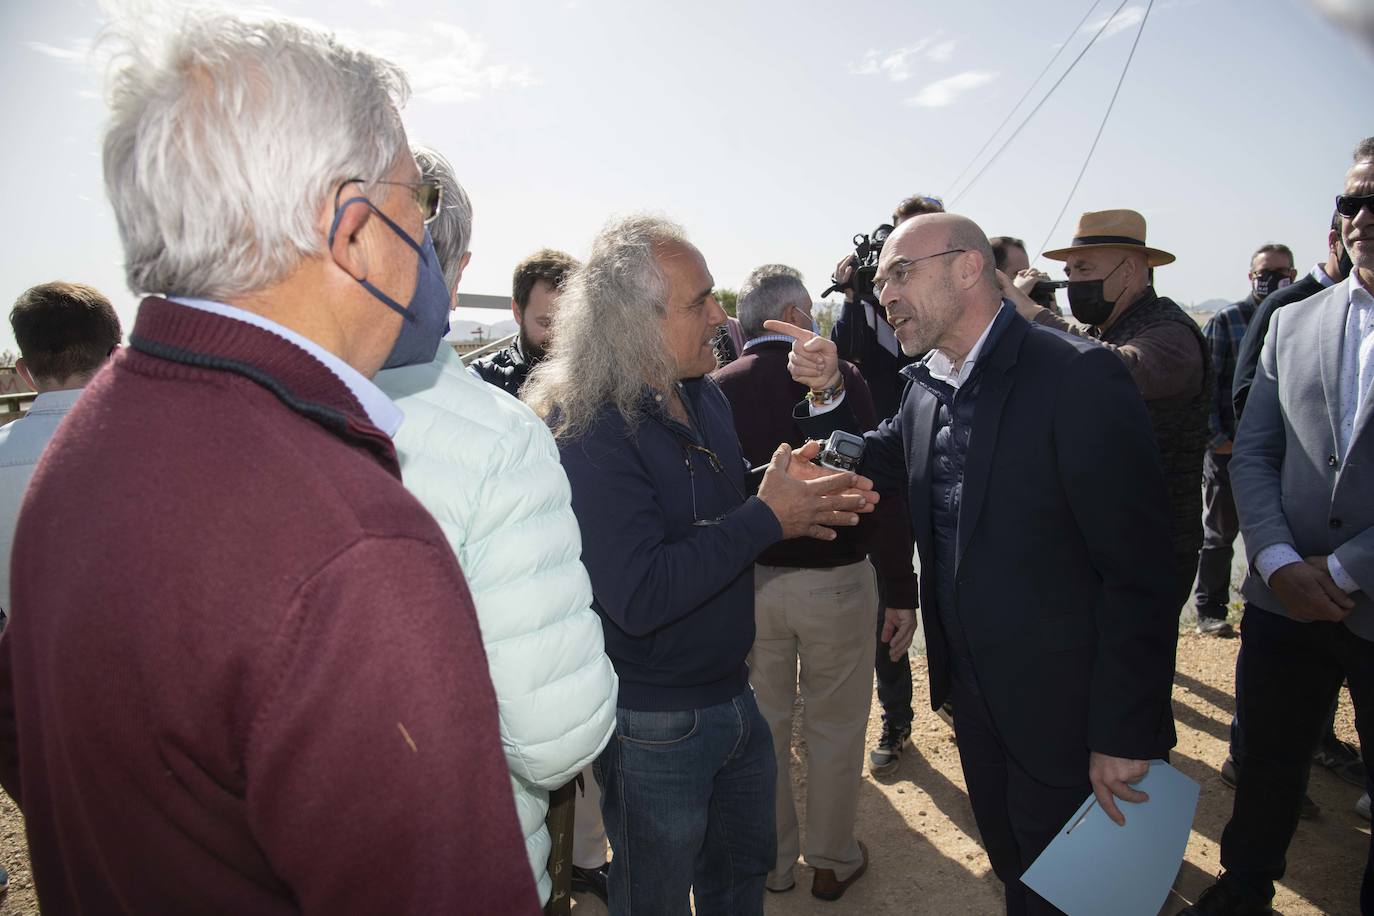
(1289, 484)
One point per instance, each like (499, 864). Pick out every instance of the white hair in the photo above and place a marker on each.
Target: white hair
(608, 343)
(227, 137)
(452, 228)
(766, 293)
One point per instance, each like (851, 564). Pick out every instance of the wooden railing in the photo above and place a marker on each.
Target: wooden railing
(14, 406)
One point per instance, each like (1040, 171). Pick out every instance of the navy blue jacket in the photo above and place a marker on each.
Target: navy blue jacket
(676, 598)
(1063, 565)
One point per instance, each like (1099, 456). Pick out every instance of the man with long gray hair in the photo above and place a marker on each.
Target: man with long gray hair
(268, 669)
(669, 538)
(487, 470)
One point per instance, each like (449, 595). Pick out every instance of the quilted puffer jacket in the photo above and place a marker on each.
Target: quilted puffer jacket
(488, 471)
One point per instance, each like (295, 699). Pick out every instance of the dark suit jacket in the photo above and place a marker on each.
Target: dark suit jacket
(1065, 566)
(1248, 357)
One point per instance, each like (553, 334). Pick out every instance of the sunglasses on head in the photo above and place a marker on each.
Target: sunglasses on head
(1349, 205)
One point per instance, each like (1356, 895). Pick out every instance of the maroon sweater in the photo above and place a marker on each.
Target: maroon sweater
(243, 674)
(762, 397)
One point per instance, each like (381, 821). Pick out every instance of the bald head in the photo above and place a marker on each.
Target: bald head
(936, 279)
(945, 231)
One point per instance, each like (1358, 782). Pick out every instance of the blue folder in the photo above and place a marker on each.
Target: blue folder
(1095, 867)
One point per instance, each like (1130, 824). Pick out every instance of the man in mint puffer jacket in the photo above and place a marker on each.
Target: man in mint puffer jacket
(488, 471)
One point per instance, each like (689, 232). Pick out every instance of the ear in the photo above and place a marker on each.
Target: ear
(517, 312)
(347, 250)
(1334, 243)
(23, 369)
(971, 269)
(462, 266)
(1140, 270)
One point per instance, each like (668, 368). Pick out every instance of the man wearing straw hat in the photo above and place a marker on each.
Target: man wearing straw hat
(1111, 294)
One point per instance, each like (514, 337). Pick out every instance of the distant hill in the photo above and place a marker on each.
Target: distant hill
(1210, 306)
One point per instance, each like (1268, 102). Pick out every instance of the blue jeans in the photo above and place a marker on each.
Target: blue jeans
(687, 797)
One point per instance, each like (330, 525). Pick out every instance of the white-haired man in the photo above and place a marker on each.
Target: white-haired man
(487, 469)
(267, 670)
(669, 538)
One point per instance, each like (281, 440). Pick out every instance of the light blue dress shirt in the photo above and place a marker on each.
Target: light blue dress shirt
(384, 414)
(21, 445)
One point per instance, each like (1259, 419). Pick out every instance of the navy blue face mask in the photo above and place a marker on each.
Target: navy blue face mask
(426, 317)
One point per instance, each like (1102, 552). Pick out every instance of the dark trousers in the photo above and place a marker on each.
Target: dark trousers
(1292, 672)
(1220, 525)
(894, 678)
(1017, 815)
(1237, 748)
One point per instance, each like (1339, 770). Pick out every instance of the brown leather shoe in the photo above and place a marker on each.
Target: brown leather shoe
(827, 887)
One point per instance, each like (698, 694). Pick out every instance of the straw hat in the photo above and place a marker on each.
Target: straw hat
(1112, 229)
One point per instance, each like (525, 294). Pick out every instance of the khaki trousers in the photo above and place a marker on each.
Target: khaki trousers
(590, 849)
(821, 619)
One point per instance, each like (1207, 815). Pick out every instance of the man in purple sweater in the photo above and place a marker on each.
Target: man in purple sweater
(246, 676)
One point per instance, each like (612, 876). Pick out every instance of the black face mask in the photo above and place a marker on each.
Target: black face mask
(1087, 301)
(1269, 281)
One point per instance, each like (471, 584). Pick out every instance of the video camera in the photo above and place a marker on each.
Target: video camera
(867, 249)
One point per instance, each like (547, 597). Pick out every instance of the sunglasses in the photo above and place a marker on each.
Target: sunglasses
(1349, 205)
(713, 462)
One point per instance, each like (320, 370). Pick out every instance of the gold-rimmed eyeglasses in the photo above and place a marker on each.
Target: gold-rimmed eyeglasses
(428, 194)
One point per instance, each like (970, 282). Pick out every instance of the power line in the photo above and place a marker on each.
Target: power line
(1001, 149)
(1019, 102)
(1101, 127)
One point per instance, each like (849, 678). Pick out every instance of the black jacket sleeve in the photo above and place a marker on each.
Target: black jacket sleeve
(1105, 445)
(1248, 357)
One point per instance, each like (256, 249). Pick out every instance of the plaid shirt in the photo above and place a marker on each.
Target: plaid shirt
(1224, 332)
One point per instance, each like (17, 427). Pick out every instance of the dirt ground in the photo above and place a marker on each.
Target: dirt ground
(923, 845)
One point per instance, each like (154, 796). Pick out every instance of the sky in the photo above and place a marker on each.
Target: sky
(774, 131)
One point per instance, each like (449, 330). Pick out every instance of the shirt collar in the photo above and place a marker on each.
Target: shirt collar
(942, 369)
(55, 401)
(1357, 292)
(379, 408)
(1321, 276)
